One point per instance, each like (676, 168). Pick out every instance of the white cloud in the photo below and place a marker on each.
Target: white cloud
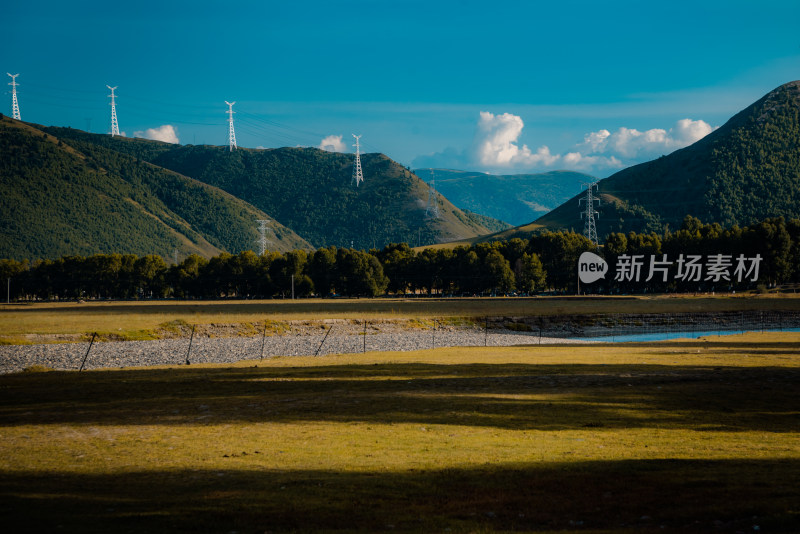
(496, 147)
(333, 143)
(579, 162)
(688, 131)
(166, 133)
(496, 143)
(630, 143)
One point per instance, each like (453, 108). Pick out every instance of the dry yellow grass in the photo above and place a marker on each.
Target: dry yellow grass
(690, 435)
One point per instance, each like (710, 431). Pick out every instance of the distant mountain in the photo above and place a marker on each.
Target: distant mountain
(311, 191)
(744, 172)
(516, 199)
(66, 197)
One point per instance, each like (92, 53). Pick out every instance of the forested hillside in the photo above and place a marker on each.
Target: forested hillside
(78, 198)
(746, 171)
(311, 191)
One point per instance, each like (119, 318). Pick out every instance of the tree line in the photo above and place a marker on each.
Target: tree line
(547, 262)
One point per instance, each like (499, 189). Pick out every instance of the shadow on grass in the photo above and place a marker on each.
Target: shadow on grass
(512, 396)
(644, 495)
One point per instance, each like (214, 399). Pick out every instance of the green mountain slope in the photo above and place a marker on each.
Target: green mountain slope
(64, 197)
(311, 191)
(744, 172)
(516, 199)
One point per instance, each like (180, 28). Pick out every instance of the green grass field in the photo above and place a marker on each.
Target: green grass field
(698, 436)
(143, 319)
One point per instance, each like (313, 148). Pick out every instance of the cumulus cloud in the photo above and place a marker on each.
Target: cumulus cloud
(496, 143)
(332, 143)
(630, 143)
(496, 147)
(576, 161)
(687, 131)
(166, 133)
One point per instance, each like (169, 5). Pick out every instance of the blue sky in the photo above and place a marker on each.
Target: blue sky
(491, 86)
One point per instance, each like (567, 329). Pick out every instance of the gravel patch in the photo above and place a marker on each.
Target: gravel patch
(69, 356)
(228, 343)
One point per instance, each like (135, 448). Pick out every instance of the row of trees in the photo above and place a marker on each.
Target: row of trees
(545, 262)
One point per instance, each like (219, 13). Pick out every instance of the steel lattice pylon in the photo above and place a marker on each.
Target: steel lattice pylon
(358, 175)
(114, 123)
(14, 102)
(231, 133)
(589, 213)
(262, 240)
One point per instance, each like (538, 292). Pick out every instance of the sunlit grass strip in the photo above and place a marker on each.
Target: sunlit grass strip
(699, 435)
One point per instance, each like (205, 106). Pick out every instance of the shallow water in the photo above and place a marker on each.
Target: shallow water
(686, 334)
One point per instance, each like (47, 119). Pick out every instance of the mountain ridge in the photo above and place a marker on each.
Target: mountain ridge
(60, 198)
(311, 191)
(93, 193)
(745, 171)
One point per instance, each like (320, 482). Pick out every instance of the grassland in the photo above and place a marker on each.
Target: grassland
(145, 319)
(696, 436)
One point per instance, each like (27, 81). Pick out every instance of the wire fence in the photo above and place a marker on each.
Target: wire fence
(358, 336)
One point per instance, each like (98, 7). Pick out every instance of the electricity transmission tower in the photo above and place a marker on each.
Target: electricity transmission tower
(358, 176)
(262, 240)
(14, 102)
(432, 211)
(114, 123)
(231, 134)
(589, 227)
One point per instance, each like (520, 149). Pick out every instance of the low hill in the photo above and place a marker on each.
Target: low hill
(744, 172)
(63, 197)
(516, 199)
(311, 191)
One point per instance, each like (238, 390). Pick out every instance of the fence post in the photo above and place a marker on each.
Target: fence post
(323, 341)
(365, 336)
(191, 338)
(94, 335)
(263, 340)
(434, 334)
(486, 333)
